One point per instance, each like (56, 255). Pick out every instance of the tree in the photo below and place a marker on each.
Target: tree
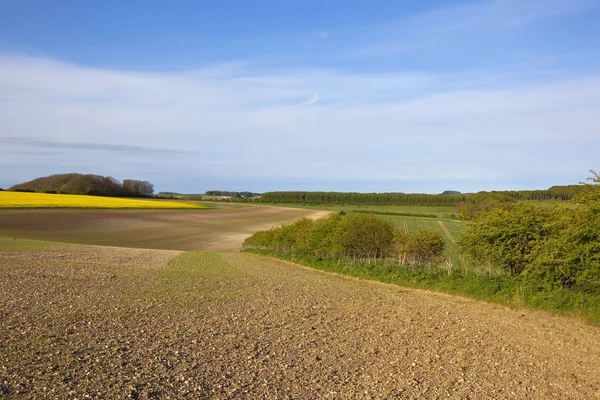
(134, 187)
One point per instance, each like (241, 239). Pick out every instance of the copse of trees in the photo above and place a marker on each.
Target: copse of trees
(87, 184)
(354, 237)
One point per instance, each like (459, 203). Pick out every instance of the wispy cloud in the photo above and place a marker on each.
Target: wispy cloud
(454, 25)
(12, 143)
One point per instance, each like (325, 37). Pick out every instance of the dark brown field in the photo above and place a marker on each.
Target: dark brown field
(217, 229)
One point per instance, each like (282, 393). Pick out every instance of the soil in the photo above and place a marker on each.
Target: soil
(96, 322)
(220, 229)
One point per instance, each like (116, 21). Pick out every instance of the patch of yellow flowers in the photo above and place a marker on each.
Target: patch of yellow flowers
(11, 200)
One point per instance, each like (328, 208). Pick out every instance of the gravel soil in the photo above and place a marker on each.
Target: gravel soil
(98, 322)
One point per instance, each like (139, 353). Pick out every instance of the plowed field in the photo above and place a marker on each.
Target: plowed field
(98, 322)
(219, 229)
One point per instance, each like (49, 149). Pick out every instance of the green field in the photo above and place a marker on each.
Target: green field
(440, 211)
(450, 233)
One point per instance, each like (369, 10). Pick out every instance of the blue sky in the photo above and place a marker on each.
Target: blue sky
(313, 95)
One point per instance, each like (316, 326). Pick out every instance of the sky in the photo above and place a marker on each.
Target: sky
(365, 96)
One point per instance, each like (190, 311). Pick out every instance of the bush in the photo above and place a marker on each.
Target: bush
(507, 238)
(355, 236)
(554, 245)
(571, 256)
(419, 247)
(364, 236)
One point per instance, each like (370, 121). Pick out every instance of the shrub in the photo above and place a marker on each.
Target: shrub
(419, 247)
(364, 236)
(507, 238)
(571, 256)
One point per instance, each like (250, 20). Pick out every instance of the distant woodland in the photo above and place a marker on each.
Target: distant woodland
(87, 184)
(448, 198)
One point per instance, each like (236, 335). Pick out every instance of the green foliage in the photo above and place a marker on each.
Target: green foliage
(507, 238)
(482, 202)
(316, 198)
(321, 240)
(419, 247)
(570, 256)
(364, 236)
(351, 237)
(488, 200)
(558, 245)
(590, 193)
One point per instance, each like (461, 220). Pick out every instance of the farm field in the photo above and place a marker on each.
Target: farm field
(222, 228)
(19, 200)
(105, 322)
(447, 228)
(438, 210)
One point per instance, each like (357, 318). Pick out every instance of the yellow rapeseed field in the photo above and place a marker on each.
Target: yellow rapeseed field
(46, 200)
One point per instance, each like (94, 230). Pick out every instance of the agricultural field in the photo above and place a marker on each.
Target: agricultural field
(440, 211)
(84, 321)
(219, 228)
(20, 200)
(449, 229)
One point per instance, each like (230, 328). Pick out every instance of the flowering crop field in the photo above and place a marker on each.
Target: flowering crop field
(15, 200)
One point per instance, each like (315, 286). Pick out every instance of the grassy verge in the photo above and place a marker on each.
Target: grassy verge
(476, 284)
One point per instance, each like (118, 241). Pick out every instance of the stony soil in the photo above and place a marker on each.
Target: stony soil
(87, 322)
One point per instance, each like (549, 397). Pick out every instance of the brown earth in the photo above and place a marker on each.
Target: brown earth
(219, 229)
(235, 325)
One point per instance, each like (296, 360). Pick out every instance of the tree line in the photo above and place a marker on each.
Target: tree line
(448, 198)
(87, 184)
(360, 198)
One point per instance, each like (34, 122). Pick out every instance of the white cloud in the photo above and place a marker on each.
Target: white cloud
(275, 125)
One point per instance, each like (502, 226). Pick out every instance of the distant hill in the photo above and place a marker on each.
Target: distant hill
(90, 184)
